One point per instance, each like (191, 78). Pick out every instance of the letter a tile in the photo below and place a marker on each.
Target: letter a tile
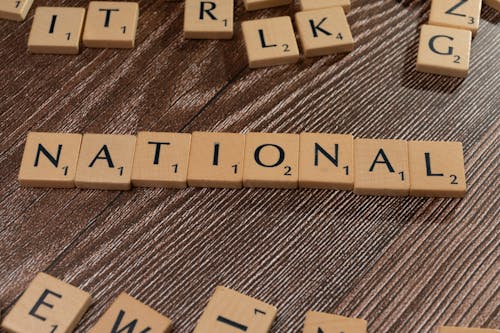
(232, 312)
(317, 322)
(105, 162)
(50, 160)
(270, 42)
(208, 19)
(48, 305)
(381, 167)
(436, 169)
(127, 314)
(15, 10)
(450, 329)
(111, 24)
(457, 14)
(56, 30)
(444, 51)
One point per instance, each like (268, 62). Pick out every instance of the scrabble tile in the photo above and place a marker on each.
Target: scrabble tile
(326, 161)
(261, 4)
(56, 30)
(381, 167)
(231, 312)
(444, 51)
(15, 10)
(209, 19)
(50, 160)
(48, 305)
(450, 329)
(271, 160)
(216, 160)
(324, 32)
(111, 24)
(270, 42)
(493, 4)
(457, 14)
(127, 314)
(436, 169)
(161, 160)
(320, 4)
(105, 162)
(317, 322)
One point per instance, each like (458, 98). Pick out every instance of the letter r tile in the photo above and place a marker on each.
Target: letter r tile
(231, 312)
(126, 312)
(48, 305)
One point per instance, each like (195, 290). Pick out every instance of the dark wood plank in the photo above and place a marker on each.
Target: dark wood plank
(404, 264)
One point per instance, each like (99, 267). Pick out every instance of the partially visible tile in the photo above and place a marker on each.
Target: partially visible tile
(450, 329)
(50, 160)
(381, 167)
(127, 314)
(15, 10)
(270, 42)
(318, 322)
(326, 161)
(271, 160)
(457, 14)
(105, 162)
(444, 51)
(319, 4)
(56, 30)
(493, 4)
(209, 19)
(111, 24)
(216, 160)
(230, 312)
(48, 305)
(324, 32)
(436, 169)
(161, 160)
(262, 4)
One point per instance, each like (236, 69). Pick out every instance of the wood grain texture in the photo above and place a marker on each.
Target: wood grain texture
(403, 264)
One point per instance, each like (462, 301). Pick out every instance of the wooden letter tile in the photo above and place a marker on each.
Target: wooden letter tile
(111, 24)
(216, 160)
(50, 160)
(326, 161)
(231, 312)
(48, 305)
(209, 19)
(450, 329)
(105, 162)
(324, 32)
(436, 169)
(15, 10)
(493, 4)
(381, 167)
(457, 14)
(444, 51)
(261, 4)
(270, 42)
(328, 323)
(271, 160)
(161, 160)
(56, 30)
(320, 4)
(127, 314)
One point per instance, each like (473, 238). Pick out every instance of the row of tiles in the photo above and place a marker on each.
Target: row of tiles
(232, 160)
(51, 305)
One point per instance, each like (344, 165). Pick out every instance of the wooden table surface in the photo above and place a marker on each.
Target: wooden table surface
(403, 264)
